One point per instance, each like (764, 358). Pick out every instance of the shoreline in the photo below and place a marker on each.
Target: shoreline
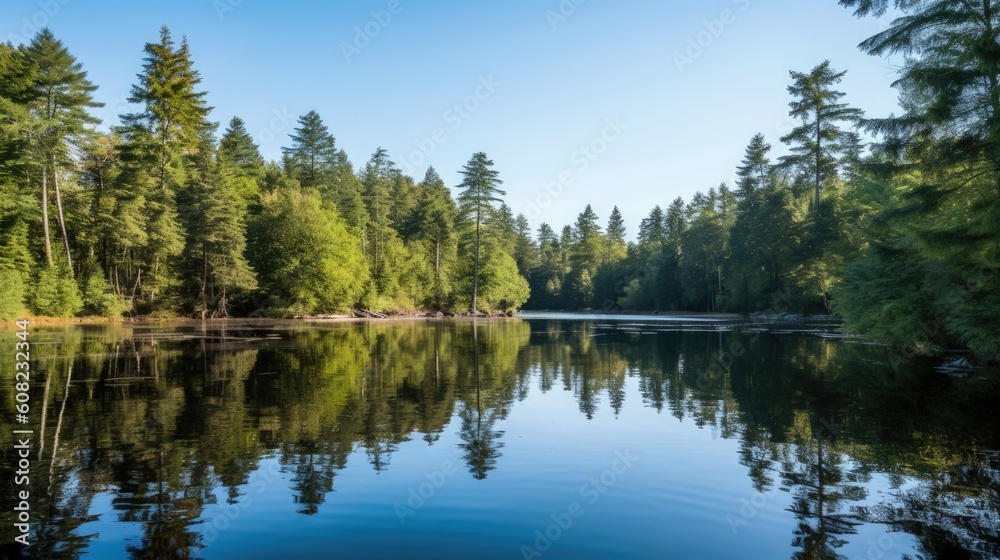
(44, 321)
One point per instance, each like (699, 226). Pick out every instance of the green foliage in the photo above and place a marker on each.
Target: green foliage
(168, 217)
(56, 293)
(313, 157)
(763, 237)
(307, 260)
(157, 174)
(480, 184)
(217, 239)
(820, 146)
(100, 299)
(13, 295)
(934, 181)
(503, 287)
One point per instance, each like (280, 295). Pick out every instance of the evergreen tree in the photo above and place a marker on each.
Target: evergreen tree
(157, 142)
(546, 281)
(525, 250)
(755, 173)
(377, 179)
(480, 184)
(59, 99)
(18, 206)
(702, 253)
(615, 237)
(585, 257)
(433, 220)
(675, 224)
(762, 237)
(503, 228)
(239, 153)
(218, 240)
(652, 229)
(313, 154)
(937, 172)
(820, 145)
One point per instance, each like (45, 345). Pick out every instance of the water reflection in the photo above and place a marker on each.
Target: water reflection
(144, 430)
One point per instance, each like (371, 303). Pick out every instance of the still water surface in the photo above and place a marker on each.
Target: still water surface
(551, 438)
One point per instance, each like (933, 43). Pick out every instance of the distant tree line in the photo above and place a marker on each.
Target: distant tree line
(162, 215)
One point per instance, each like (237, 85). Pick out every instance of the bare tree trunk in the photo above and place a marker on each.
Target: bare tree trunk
(45, 216)
(62, 221)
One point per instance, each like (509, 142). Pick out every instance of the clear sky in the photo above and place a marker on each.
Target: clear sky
(629, 103)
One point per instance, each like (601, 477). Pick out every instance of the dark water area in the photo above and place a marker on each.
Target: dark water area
(543, 437)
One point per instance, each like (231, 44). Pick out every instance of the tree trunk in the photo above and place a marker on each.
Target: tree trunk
(819, 157)
(45, 216)
(62, 220)
(437, 271)
(475, 270)
(204, 283)
(994, 91)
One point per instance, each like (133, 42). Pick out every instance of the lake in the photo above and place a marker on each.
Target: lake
(543, 437)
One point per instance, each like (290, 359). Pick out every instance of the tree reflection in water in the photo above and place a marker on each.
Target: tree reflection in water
(164, 421)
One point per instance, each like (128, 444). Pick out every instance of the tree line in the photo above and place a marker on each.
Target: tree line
(162, 215)
(900, 236)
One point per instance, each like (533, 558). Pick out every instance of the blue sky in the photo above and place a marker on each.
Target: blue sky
(628, 103)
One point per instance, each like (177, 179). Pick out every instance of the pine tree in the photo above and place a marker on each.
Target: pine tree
(377, 179)
(587, 240)
(546, 281)
(755, 173)
(313, 154)
(674, 225)
(702, 252)
(652, 229)
(525, 250)
(217, 240)
(17, 204)
(238, 151)
(937, 168)
(157, 144)
(58, 98)
(503, 229)
(820, 145)
(480, 184)
(433, 219)
(615, 237)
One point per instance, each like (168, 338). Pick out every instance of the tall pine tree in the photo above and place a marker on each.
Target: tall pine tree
(480, 190)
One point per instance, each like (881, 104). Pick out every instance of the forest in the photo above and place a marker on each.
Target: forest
(890, 222)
